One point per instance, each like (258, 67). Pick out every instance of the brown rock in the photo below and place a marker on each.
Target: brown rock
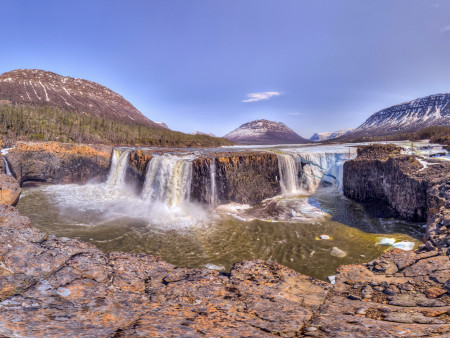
(55, 162)
(434, 292)
(9, 190)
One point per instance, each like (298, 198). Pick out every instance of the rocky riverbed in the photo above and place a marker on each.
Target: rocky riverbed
(58, 286)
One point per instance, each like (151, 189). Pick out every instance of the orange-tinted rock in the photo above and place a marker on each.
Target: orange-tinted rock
(434, 292)
(55, 162)
(9, 190)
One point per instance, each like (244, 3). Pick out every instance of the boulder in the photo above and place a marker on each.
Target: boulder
(9, 190)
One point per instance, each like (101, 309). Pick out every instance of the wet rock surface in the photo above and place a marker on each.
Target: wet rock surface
(54, 162)
(52, 286)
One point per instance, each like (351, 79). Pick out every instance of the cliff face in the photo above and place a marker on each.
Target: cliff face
(396, 185)
(137, 168)
(54, 162)
(240, 177)
(247, 178)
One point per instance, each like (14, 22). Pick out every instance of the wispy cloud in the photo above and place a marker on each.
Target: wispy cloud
(295, 114)
(445, 29)
(254, 97)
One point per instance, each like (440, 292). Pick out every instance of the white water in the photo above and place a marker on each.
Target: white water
(168, 180)
(119, 164)
(288, 170)
(5, 151)
(8, 171)
(320, 165)
(214, 199)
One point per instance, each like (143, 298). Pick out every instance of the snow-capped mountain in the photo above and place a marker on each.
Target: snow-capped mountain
(42, 88)
(319, 137)
(201, 133)
(427, 111)
(264, 132)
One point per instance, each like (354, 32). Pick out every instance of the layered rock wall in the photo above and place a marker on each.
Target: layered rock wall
(54, 162)
(247, 178)
(396, 185)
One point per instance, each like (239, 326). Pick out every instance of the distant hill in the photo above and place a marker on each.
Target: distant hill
(44, 106)
(42, 88)
(433, 110)
(319, 137)
(201, 133)
(264, 132)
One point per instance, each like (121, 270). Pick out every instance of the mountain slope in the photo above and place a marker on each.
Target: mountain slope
(264, 132)
(318, 137)
(424, 112)
(42, 88)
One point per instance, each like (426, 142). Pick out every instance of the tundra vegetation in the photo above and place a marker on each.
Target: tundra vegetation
(44, 123)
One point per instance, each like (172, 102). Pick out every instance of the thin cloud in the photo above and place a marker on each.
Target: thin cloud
(295, 114)
(445, 29)
(254, 97)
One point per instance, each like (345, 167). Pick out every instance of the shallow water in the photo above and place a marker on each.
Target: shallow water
(195, 236)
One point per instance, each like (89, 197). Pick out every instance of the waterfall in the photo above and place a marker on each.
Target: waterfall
(288, 174)
(168, 179)
(119, 163)
(3, 152)
(8, 171)
(319, 166)
(214, 198)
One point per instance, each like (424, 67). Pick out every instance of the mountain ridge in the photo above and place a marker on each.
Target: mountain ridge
(43, 88)
(427, 111)
(263, 131)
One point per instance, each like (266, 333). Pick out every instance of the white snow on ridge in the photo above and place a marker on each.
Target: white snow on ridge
(317, 137)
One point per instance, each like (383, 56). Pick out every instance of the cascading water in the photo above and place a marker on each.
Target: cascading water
(288, 170)
(168, 179)
(5, 161)
(323, 168)
(214, 198)
(317, 167)
(8, 171)
(119, 163)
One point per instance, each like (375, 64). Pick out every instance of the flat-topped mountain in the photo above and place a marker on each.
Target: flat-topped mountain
(264, 132)
(42, 88)
(318, 137)
(424, 112)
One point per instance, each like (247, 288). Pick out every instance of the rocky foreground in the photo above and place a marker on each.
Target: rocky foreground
(53, 286)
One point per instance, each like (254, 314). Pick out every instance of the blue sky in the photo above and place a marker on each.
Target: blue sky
(318, 65)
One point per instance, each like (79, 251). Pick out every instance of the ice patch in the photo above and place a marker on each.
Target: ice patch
(408, 246)
(214, 267)
(386, 241)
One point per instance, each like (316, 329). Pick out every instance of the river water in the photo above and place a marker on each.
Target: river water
(163, 221)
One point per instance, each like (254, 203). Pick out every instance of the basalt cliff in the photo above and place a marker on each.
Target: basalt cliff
(58, 286)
